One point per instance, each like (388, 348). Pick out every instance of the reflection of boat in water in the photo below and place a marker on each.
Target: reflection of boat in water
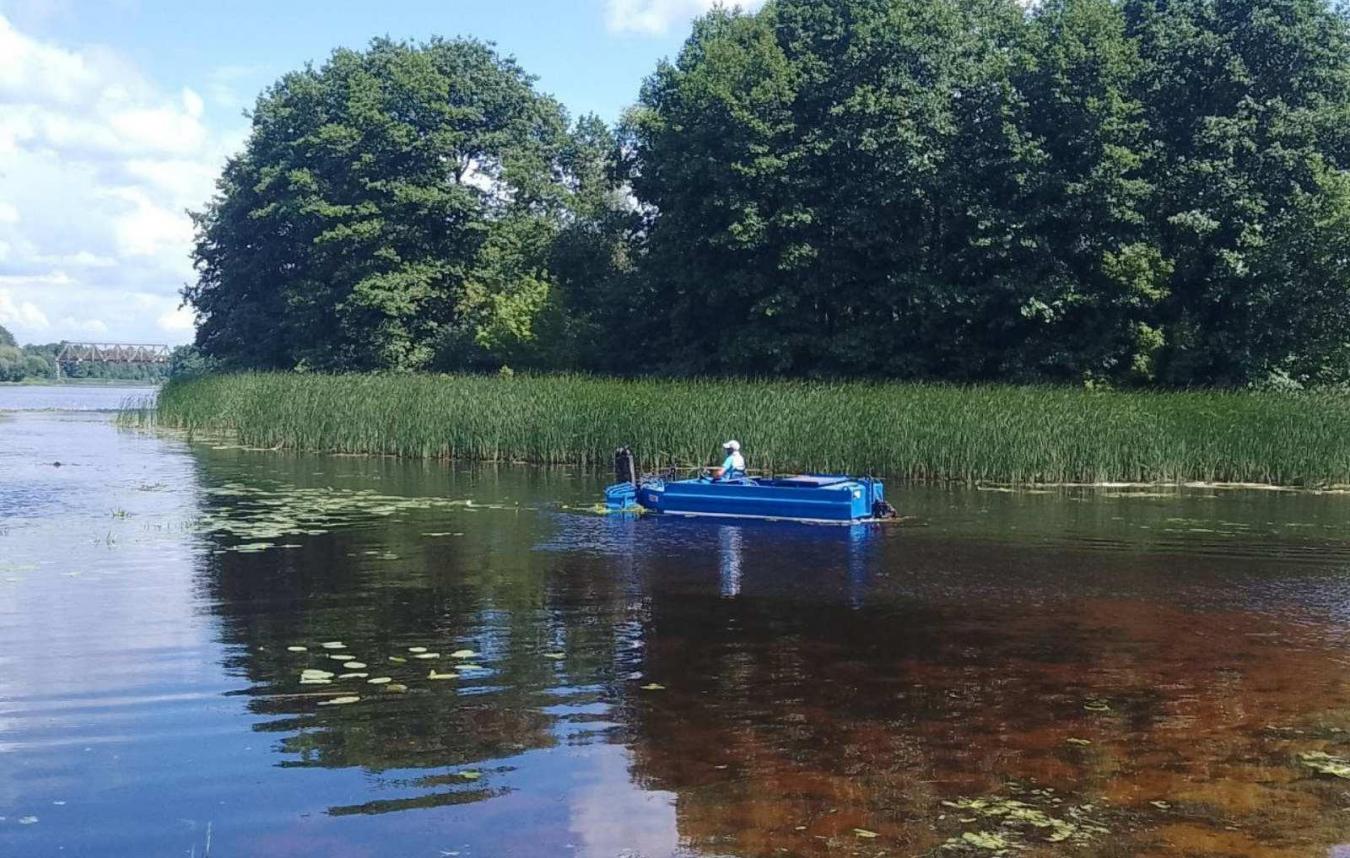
(811, 498)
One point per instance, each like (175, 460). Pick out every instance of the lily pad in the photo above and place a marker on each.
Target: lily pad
(865, 834)
(333, 645)
(1097, 706)
(417, 649)
(470, 775)
(435, 675)
(354, 676)
(652, 686)
(427, 655)
(556, 656)
(340, 701)
(398, 659)
(395, 688)
(297, 649)
(380, 680)
(354, 665)
(463, 653)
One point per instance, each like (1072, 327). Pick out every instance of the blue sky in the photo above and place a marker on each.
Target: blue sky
(115, 116)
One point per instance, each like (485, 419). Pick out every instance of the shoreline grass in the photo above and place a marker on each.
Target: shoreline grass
(918, 432)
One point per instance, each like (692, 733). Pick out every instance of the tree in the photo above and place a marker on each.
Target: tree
(6, 338)
(1248, 101)
(380, 214)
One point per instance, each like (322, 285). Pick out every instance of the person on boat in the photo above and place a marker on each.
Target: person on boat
(733, 465)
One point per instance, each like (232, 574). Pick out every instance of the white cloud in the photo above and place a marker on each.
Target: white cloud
(656, 17)
(21, 314)
(177, 320)
(98, 166)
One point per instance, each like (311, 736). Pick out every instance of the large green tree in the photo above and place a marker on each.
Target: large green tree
(391, 209)
(1248, 102)
(1095, 190)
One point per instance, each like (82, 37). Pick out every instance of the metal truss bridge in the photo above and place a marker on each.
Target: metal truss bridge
(73, 354)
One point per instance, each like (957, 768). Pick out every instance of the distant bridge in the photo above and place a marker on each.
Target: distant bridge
(73, 354)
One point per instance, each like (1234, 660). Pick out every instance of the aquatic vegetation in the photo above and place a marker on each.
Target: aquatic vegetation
(262, 514)
(996, 434)
(653, 686)
(1018, 821)
(340, 701)
(1325, 764)
(463, 653)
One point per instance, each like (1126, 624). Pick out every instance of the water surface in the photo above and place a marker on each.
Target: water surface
(1056, 673)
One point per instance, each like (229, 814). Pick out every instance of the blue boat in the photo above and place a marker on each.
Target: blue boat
(810, 498)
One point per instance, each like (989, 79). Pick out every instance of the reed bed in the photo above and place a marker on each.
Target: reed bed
(976, 434)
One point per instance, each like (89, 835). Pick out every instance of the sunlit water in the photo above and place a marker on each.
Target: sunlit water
(1077, 673)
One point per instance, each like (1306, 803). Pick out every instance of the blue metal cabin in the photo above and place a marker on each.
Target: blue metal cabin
(814, 498)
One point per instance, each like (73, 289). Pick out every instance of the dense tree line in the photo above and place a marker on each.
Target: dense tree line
(1102, 191)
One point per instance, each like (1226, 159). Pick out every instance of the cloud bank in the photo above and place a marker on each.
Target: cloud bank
(98, 166)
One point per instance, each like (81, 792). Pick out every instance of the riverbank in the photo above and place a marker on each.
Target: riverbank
(996, 434)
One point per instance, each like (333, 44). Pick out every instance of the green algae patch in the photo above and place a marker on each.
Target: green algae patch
(1008, 824)
(1325, 764)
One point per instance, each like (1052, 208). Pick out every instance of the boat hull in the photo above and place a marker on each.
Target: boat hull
(812, 499)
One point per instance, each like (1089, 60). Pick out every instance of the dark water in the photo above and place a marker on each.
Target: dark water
(1062, 673)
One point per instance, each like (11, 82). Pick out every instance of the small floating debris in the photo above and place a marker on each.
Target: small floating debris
(1161, 805)
(333, 645)
(354, 676)
(398, 659)
(463, 653)
(340, 701)
(1073, 741)
(556, 656)
(395, 688)
(427, 655)
(354, 665)
(342, 656)
(380, 680)
(865, 834)
(297, 649)
(27, 820)
(1097, 706)
(471, 667)
(417, 649)
(314, 673)
(652, 686)
(435, 675)
(470, 775)
(1325, 764)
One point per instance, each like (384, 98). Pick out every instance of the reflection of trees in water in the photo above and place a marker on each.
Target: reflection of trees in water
(482, 591)
(814, 684)
(787, 727)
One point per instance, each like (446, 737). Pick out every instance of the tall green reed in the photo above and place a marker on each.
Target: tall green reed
(996, 434)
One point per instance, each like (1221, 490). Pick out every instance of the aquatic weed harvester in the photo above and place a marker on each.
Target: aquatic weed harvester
(805, 498)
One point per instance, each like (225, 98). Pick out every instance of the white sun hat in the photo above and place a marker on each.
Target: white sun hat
(732, 445)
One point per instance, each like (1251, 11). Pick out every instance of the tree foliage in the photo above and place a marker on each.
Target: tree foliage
(1094, 191)
(389, 206)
